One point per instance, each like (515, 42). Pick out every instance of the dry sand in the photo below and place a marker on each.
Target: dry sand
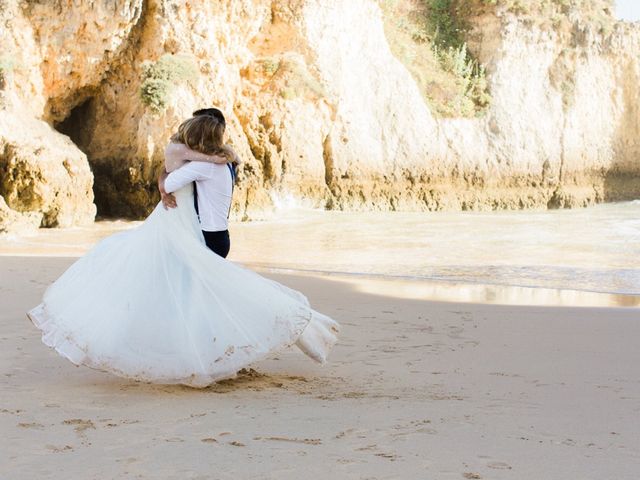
(415, 389)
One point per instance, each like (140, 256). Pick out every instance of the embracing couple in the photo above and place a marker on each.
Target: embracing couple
(197, 154)
(153, 303)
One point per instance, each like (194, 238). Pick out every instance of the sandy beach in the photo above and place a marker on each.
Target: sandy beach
(415, 389)
(456, 183)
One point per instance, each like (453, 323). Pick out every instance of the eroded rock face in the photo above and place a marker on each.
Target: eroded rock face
(19, 223)
(45, 179)
(318, 107)
(563, 107)
(58, 53)
(64, 49)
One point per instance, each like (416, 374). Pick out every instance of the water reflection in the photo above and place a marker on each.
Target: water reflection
(493, 294)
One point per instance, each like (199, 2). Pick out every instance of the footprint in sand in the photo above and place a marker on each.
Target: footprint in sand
(344, 433)
(80, 425)
(455, 332)
(129, 422)
(128, 460)
(389, 456)
(12, 412)
(306, 441)
(55, 449)
(368, 447)
(38, 426)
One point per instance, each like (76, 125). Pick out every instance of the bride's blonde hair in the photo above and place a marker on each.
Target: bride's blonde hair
(202, 133)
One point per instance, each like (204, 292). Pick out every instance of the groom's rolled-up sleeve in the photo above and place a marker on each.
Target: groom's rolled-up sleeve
(188, 173)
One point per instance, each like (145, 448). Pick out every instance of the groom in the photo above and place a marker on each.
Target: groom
(213, 188)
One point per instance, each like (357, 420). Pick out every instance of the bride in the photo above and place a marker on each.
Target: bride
(155, 304)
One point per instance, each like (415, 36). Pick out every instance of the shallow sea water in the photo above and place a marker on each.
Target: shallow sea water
(538, 257)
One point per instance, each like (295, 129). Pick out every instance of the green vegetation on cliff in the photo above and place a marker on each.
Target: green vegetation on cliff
(160, 78)
(429, 37)
(7, 65)
(287, 75)
(591, 10)
(555, 14)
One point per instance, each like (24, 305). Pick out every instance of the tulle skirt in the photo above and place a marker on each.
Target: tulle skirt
(155, 304)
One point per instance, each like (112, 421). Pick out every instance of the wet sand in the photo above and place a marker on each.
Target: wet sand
(415, 389)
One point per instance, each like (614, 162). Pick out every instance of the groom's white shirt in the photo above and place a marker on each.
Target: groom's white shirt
(215, 188)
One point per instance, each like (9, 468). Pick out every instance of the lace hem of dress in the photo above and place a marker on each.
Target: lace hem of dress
(70, 348)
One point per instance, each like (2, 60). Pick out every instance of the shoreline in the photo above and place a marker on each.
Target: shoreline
(437, 290)
(491, 257)
(466, 292)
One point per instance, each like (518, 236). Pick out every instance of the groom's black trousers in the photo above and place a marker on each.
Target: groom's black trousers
(218, 242)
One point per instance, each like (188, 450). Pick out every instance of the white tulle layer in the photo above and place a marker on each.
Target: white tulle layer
(154, 304)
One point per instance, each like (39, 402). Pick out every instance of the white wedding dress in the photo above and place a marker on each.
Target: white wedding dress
(155, 304)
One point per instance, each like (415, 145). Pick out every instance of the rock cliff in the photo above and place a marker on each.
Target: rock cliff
(318, 106)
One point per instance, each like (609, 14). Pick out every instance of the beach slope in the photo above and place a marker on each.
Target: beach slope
(415, 389)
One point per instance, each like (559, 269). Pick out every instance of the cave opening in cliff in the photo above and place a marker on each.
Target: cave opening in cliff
(77, 125)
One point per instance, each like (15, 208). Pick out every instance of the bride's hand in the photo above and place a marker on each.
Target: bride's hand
(168, 200)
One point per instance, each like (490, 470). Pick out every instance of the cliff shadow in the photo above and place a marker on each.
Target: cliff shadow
(119, 189)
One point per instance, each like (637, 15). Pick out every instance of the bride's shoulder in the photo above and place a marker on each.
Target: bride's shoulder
(173, 155)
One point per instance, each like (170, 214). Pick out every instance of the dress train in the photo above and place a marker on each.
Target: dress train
(155, 304)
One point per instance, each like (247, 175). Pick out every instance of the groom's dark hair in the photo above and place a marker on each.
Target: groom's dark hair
(211, 112)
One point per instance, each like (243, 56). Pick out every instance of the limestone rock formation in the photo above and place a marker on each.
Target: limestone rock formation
(45, 179)
(16, 222)
(317, 105)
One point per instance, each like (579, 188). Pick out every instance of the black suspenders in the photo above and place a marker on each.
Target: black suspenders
(232, 171)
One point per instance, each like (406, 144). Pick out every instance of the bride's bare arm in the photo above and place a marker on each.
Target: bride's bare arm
(232, 156)
(175, 154)
(168, 199)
